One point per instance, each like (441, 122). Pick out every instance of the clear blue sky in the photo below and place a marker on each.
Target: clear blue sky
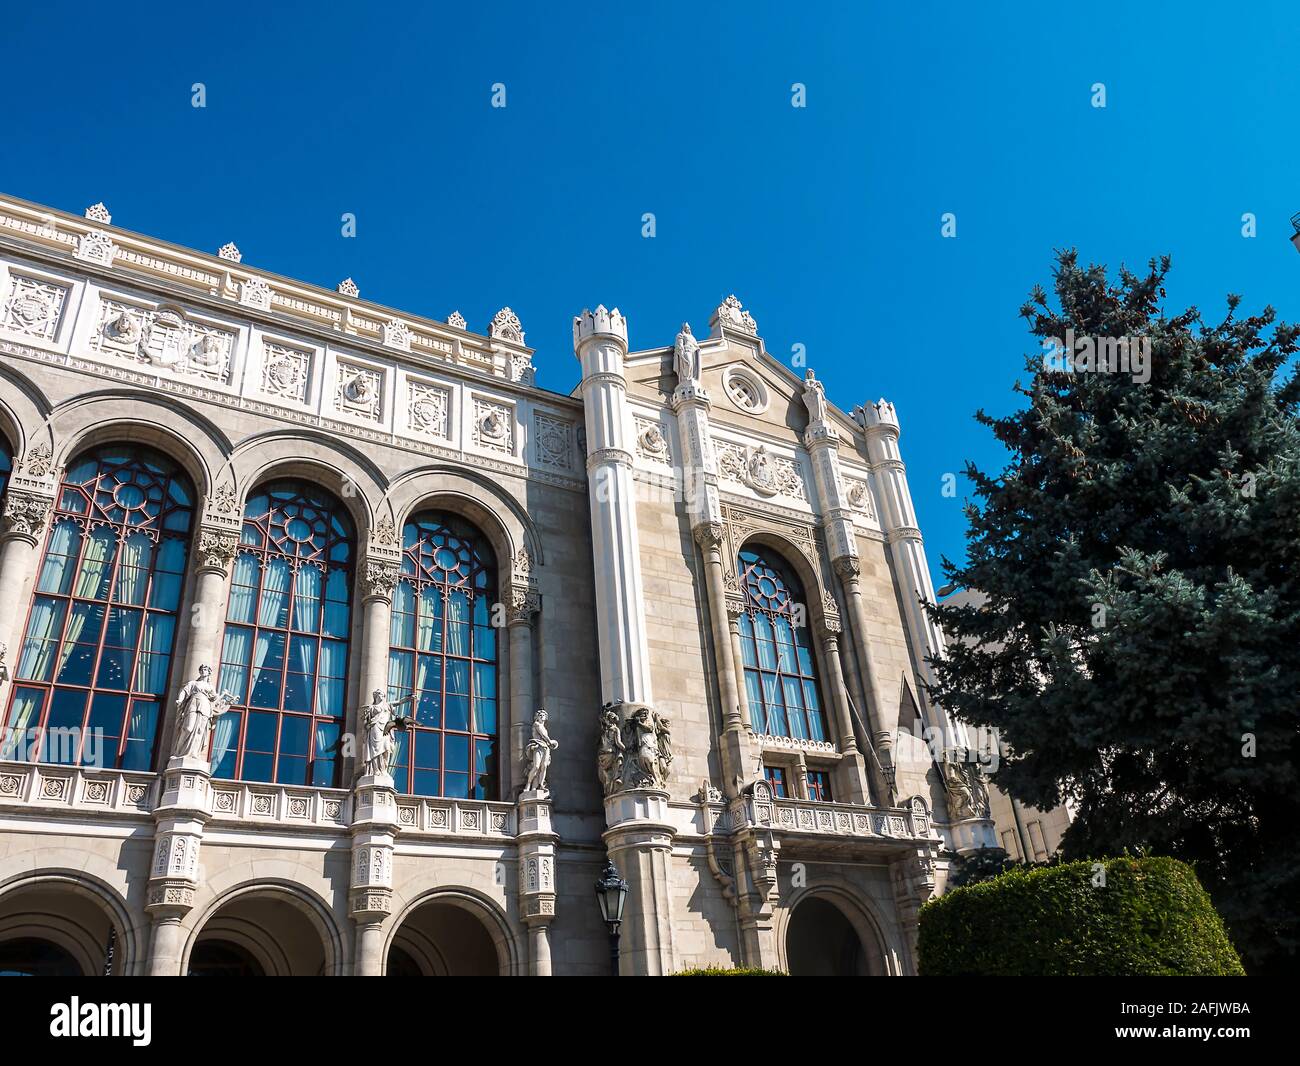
(824, 220)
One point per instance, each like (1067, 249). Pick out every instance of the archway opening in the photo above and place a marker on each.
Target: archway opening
(822, 942)
(58, 929)
(221, 958)
(442, 939)
(32, 957)
(260, 934)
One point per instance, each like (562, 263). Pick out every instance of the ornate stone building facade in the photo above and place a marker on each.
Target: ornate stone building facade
(288, 578)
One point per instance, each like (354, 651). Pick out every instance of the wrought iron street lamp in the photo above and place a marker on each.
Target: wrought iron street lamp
(611, 893)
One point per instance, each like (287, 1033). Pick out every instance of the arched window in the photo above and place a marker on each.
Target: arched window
(284, 659)
(97, 653)
(780, 670)
(443, 652)
(6, 466)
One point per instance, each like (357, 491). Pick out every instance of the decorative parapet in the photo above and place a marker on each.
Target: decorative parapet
(91, 240)
(77, 789)
(419, 816)
(251, 803)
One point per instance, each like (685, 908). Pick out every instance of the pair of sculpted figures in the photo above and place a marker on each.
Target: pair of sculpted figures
(634, 752)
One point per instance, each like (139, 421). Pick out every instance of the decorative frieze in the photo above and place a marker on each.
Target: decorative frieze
(494, 425)
(164, 340)
(426, 409)
(761, 471)
(652, 441)
(359, 391)
(286, 371)
(553, 440)
(33, 306)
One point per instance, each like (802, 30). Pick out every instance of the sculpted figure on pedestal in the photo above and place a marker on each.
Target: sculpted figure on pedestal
(537, 755)
(686, 357)
(609, 754)
(200, 705)
(814, 398)
(379, 720)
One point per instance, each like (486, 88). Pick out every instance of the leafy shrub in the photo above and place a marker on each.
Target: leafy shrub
(1148, 916)
(735, 971)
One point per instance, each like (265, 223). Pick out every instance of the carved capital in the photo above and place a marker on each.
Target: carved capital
(709, 535)
(379, 579)
(217, 549)
(521, 604)
(847, 566)
(25, 513)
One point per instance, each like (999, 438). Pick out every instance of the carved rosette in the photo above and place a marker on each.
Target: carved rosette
(25, 514)
(379, 579)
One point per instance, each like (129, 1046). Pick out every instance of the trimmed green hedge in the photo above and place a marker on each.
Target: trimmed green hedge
(1151, 917)
(719, 971)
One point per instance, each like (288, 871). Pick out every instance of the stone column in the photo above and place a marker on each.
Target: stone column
(217, 549)
(640, 834)
(877, 715)
(25, 516)
(855, 776)
(600, 340)
(822, 440)
(691, 404)
(536, 840)
(370, 896)
(378, 581)
(521, 607)
(179, 818)
(898, 518)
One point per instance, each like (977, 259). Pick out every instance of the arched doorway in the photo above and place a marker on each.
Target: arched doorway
(821, 941)
(263, 932)
(58, 927)
(448, 937)
(221, 958)
(31, 957)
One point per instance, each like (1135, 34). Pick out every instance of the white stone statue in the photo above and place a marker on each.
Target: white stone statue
(814, 398)
(537, 754)
(378, 720)
(200, 705)
(968, 795)
(609, 754)
(686, 357)
(663, 745)
(645, 750)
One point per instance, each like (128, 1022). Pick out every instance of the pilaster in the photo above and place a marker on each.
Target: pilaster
(370, 896)
(179, 818)
(536, 840)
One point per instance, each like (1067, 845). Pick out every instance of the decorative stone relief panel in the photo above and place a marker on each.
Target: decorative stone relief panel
(286, 371)
(494, 425)
(858, 494)
(359, 391)
(33, 306)
(652, 441)
(554, 441)
(760, 470)
(426, 409)
(164, 339)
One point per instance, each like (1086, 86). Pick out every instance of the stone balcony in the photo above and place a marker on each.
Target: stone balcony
(78, 794)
